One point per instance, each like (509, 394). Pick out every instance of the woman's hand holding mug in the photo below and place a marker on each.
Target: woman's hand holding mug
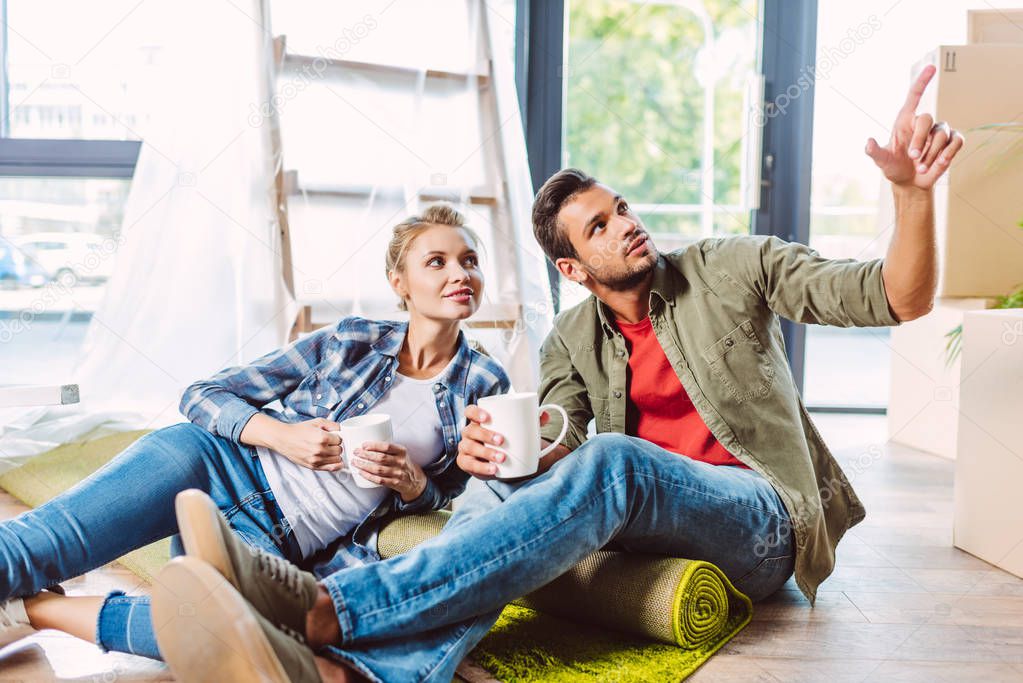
(313, 443)
(388, 464)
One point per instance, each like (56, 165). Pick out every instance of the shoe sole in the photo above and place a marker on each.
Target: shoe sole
(199, 526)
(206, 631)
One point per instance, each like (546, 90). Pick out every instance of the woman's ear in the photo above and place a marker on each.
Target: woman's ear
(398, 284)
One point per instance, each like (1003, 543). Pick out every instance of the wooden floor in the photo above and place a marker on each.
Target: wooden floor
(902, 605)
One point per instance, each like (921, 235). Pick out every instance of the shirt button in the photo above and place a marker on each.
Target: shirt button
(618, 394)
(437, 386)
(319, 396)
(387, 379)
(361, 406)
(450, 440)
(729, 343)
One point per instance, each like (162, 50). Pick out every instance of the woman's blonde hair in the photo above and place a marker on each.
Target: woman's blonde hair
(408, 230)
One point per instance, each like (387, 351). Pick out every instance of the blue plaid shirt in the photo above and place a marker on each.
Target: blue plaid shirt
(342, 371)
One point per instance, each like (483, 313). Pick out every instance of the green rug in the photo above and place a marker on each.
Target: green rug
(672, 600)
(526, 645)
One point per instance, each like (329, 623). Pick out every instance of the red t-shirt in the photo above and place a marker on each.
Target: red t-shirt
(659, 409)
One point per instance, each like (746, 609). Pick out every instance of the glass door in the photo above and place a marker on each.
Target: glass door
(657, 105)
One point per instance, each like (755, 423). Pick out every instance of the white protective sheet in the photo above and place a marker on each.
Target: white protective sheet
(198, 285)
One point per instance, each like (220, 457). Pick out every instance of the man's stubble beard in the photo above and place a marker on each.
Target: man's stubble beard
(624, 280)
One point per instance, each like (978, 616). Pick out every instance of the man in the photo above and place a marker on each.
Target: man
(705, 449)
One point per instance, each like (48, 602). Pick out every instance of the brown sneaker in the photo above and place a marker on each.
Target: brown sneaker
(278, 590)
(208, 633)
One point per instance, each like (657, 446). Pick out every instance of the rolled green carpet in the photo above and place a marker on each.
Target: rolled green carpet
(688, 603)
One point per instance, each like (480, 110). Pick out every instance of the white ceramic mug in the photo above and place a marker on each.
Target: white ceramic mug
(516, 417)
(356, 431)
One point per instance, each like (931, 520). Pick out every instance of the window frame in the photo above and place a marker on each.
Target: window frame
(539, 68)
(789, 52)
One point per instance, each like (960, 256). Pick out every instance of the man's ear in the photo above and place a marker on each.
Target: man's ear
(571, 270)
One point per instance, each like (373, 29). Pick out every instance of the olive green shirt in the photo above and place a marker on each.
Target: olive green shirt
(714, 306)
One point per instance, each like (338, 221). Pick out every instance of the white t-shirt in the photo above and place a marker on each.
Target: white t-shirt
(322, 506)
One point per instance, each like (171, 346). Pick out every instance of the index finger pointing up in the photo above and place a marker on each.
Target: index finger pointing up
(916, 91)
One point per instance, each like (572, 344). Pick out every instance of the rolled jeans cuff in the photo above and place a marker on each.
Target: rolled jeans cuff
(125, 624)
(344, 617)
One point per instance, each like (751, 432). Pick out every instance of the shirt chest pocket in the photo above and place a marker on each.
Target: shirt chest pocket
(741, 363)
(323, 396)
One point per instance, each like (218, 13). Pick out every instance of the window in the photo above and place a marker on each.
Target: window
(76, 89)
(58, 242)
(656, 107)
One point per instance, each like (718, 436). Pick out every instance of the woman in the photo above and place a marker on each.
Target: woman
(277, 476)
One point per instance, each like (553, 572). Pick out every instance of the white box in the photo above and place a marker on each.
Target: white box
(923, 400)
(988, 519)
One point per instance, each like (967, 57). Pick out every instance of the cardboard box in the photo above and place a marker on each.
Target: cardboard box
(923, 401)
(994, 26)
(988, 517)
(979, 203)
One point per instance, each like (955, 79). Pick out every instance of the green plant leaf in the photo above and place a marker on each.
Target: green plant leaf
(954, 344)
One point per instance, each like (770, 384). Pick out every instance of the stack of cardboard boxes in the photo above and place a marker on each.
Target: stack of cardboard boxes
(972, 410)
(979, 205)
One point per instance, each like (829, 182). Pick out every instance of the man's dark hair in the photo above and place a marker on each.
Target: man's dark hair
(559, 189)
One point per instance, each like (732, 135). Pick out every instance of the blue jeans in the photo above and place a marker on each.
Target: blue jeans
(415, 616)
(129, 503)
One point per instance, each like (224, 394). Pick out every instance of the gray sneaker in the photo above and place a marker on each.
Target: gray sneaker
(278, 590)
(14, 624)
(208, 633)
